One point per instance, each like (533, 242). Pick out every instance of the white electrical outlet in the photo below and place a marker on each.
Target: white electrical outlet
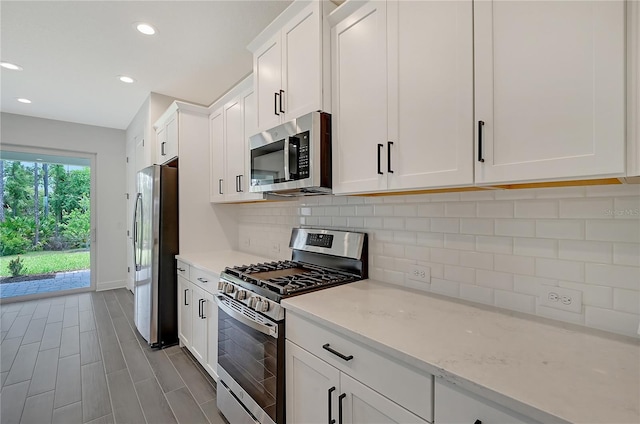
(561, 298)
(419, 273)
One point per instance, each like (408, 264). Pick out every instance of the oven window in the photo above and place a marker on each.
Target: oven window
(267, 164)
(252, 360)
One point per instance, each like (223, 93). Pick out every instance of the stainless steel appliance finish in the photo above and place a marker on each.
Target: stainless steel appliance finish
(251, 321)
(293, 158)
(155, 244)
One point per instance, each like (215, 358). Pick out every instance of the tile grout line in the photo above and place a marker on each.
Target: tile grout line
(177, 372)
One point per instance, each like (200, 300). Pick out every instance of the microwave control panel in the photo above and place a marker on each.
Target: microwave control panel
(301, 143)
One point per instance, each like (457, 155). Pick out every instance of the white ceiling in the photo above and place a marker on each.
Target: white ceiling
(73, 51)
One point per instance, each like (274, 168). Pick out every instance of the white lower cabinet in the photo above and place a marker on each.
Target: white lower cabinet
(361, 386)
(198, 315)
(454, 406)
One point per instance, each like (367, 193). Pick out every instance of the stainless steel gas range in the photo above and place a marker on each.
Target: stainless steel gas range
(251, 320)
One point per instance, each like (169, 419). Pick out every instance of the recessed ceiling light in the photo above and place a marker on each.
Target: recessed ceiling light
(12, 66)
(126, 79)
(145, 29)
(23, 100)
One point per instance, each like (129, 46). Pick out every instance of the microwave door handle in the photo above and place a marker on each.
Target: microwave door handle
(286, 159)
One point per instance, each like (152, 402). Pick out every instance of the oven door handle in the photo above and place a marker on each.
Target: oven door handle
(269, 330)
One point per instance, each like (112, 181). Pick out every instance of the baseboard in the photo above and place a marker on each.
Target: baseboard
(110, 285)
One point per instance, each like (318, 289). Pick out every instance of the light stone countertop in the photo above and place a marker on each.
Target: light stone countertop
(545, 370)
(216, 261)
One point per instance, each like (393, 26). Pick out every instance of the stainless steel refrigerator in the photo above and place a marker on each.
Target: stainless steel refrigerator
(155, 244)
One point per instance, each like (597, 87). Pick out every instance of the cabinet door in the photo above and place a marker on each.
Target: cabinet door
(185, 302)
(302, 62)
(217, 164)
(199, 325)
(430, 67)
(453, 407)
(234, 142)
(171, 148)
(211, 316)
(267, 65)
(161, 140)
(364, 405)
(309, 385)
(250, 128)
(549, 81)
(358, 45)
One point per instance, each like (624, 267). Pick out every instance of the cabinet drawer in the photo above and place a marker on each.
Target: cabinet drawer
(206, 280)
(183, 269)
(407, 387)
(455, 406)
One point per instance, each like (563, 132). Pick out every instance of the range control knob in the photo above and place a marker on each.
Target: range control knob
(252, 302)
(229, 288)
(240, 295)
(264, 306)
(221, 285)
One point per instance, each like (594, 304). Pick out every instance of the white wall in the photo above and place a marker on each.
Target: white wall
(496, 247)
(109, 147)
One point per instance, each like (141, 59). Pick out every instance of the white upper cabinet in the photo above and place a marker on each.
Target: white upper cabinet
(359, 120)
(403, 96)
(230, 125)
(549, 90)
(167, 138)
(289, 62)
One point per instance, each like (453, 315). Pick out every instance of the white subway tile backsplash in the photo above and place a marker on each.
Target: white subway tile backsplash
(393, 223)
(572, 229)
(495, 209)
(515, 194)
(622, 230)
(610, 320)
(592, 295)
(445, 287)
(459, 241)
(364, 210)
(444, 256)
(586, 251)
(531, 285)
(460, 209)
(626, 300)
(494, 244)
(626, 208)
(515, 227)
(480, 226)
(623, 277)
(626, 254)
(497, 247)
(515, 301)
(430, 239)
(417, 224)
(416, 253)
(405, 210)
(613, 190)
(560, 269)
(586, 208)
(445, 225)
(383, 210)
(431, 210)
(494, 279)
(544, 248)
(514, 264)
(536, 209)
(476, 260)
(476, 293)
(460, 274)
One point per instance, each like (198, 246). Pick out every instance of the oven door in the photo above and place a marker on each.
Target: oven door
(250, 363)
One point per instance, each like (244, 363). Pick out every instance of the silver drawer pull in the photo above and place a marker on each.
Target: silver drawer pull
(202, 280)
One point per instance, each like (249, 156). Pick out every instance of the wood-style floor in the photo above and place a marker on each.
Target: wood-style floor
(78, 359)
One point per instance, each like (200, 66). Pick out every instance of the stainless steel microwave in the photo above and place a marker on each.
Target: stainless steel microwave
(293, 158)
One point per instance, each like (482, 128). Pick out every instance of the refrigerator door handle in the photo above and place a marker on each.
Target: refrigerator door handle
(137, 265)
